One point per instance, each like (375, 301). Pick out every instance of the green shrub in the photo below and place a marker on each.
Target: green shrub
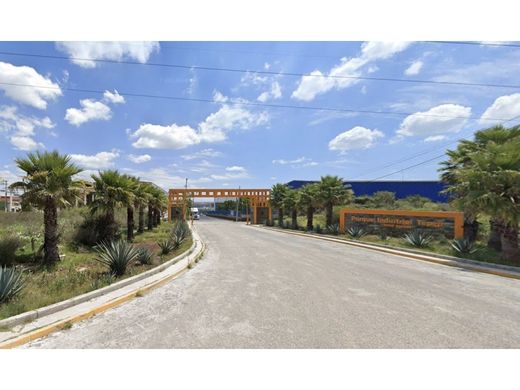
(318, 229)
(144, 256)
(166, 246)
(286, 225)
(417, 238)
(117, 255)
(11, 283)
(93, 228)
(463, 246)
(181, 231)
(9, 244)
(356, 232)
(333, 229)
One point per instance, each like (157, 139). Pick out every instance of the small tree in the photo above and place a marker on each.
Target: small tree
(308, 201)
(332, 192)
(278, 193)
(383, 199)
(290, 203)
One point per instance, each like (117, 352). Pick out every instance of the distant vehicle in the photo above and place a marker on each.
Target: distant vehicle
(195, 213)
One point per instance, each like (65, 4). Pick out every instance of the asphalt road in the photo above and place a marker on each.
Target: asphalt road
(262, 289)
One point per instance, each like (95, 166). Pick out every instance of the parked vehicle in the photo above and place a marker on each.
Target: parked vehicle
(194, 213)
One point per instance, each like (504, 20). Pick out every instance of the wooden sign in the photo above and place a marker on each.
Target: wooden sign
(397, 222)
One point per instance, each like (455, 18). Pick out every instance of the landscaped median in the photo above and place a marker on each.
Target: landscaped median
(20, 329)
(489, 268)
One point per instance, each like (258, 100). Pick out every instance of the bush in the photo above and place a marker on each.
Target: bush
(417, 238)
(11, 283)
(362, 200)
(116, 255)
(333, 229)
(463, 246)
(286, 225)
(356, 232)
(166, 246)
(383, 199)
(144, 256)
(318, 229)
(94, 228)
(9, 244)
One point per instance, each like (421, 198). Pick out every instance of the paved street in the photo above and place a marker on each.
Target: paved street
(262, 289)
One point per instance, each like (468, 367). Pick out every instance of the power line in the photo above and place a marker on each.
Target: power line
(265, 72)
(249, 103)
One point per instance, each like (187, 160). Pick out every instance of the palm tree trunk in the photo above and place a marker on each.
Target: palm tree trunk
(50, 243)
(280, 217)
(310, 217)
(470, 227)
(111, 227)
(494, 240)
(158, 217)
(294, 218)
(510, 249)
(129, 224)
(150, 217)
(154, 217)
(329, 214)
(140, 229)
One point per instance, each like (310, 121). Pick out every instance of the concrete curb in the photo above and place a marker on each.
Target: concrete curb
(472, 265)
(116, 294)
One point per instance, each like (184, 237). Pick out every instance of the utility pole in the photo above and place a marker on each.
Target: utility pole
(236, 211)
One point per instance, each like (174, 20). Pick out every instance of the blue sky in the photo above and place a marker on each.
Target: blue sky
(225, 144)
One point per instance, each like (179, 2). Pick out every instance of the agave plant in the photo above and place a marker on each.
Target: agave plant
(144, 256)
(166, 246)
(181, 230)
(417, 238)
(333, 229)
(463, 246)
(11, 283)
(356, 232)
(116, 255)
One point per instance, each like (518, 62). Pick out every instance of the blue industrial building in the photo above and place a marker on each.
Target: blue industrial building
(429, 189)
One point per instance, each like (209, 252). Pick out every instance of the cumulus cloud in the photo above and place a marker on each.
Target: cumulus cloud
(165, 137)
(315, 83)
(435, 138)
(504, 107)
(356, 138)
(235, 168)
(101, 160)
(83, 53)
(113, 97)
(35, 97)
(414, 68)
(139, 159)
(300, 162)
(90, 110)
(442, 119)
(22, 128)
(232, 173)
(274, 93)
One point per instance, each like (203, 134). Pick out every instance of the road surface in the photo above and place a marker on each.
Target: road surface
(262, 289)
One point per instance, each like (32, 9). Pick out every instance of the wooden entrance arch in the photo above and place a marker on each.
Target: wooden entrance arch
(259, 198)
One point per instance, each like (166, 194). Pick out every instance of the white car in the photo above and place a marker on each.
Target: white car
(195, 213)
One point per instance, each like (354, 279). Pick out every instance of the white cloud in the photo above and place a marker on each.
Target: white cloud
(90, 110)
(113, 97)
(139, 159)
(300, 162)
(202, 153)
(25, 75)
(85, 52)
(101, 160)
(22, 128)
(165, 137)
(435, 138)
(267, 66)
(442, 119)
(219, 97)
(315, 83)
(274, 93)
(235, 168)
(414, 68)
(355, 138)
(504, 107)
(25, 143)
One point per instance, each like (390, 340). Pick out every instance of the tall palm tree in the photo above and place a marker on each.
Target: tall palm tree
(49, 185)
(332, 192)
(309, 201)
(111, 191)
(141, 196)
(290, 203)
(277, 196)
(131, 184)
(491, 184)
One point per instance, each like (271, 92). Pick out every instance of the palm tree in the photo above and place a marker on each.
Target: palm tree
(48, 185)
(131, 185)
(332, 192)
(290, 203)
(491, 185)
(309, 201)
(277, 196)
(111, 191)
(141, 196)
